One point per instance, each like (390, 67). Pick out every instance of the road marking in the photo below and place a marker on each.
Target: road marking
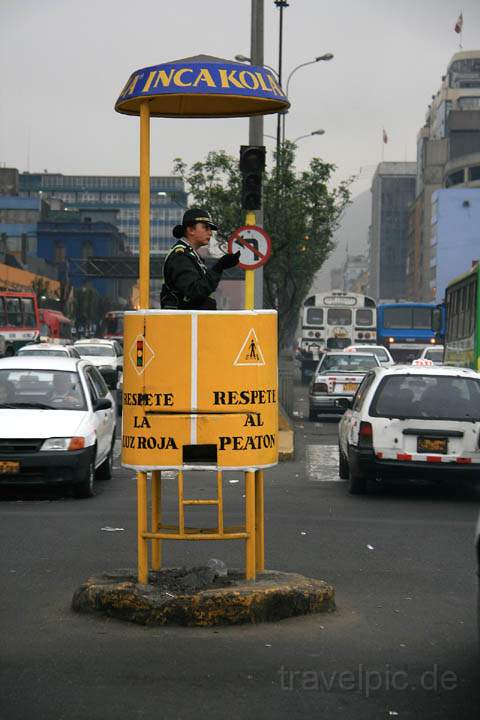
(322, 463)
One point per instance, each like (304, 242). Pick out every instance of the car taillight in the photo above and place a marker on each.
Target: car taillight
(320, 388)
(360, 335)
(367, 335)
(365, 435)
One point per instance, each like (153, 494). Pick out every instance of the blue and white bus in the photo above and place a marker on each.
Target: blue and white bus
(408, 328)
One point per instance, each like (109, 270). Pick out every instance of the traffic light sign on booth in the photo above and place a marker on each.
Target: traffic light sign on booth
(252, 165)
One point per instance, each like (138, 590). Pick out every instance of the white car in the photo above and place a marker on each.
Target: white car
(433, 353)
(380, 352)
(57, 423)
(412, 422)
(336, 380)
(48, 349)
(106, 355)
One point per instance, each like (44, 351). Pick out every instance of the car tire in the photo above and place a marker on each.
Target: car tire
(105, 471)
(85, 488)
(305, 378)
(357, 484)
(312, 415)
(343, 470)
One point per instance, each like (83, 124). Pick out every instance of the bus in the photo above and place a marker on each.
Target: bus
(334, 320)
(55, 327)
(462, 336)
(407, 328)
(19, 319)
(111, 327)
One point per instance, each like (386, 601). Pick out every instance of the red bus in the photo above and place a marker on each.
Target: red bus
(55, 326)
(19, 319)
(111, 327)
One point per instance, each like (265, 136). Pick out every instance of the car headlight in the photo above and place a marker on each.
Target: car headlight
(68, 443)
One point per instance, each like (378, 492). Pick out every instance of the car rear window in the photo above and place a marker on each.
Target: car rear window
(434, 397)
(95, 350)
(41, 353)
(348, 363)
(434, 355)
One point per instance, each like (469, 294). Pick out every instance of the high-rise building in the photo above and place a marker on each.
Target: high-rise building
(168, 200)
(448, 155)
(393, 190)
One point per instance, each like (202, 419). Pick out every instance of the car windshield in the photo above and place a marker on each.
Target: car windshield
(348, 363)
(40, 351)
(380, 353)
(95, 350)
(435, 356)
(41, 389)
(436, 397)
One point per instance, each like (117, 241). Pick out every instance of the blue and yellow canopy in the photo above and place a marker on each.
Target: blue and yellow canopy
(203, 87)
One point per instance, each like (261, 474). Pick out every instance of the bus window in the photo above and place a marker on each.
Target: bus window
(364, 318)
(3, 319)
(14, 315)
(397, 317)
(314, 316)
(422, 318)
(28, 312)
(339, 316)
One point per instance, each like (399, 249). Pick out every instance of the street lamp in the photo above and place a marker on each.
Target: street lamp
(244, 58)
(326, 57)
(315, 132)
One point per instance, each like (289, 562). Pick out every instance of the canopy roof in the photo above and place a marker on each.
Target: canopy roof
(203, 87)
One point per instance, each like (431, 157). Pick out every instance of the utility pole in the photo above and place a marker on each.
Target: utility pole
(256, 123)
(280, 4)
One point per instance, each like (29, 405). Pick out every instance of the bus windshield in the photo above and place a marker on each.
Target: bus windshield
(408, 317)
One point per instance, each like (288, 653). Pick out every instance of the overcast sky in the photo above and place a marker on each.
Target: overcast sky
(64, 63)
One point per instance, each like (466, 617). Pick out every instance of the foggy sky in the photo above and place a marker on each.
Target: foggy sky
(64, 63)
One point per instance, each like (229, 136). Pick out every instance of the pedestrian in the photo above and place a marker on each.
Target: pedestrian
(187, 282)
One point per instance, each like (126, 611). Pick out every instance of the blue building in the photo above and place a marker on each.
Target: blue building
(62, 240)
(455, 238)
(168, 200)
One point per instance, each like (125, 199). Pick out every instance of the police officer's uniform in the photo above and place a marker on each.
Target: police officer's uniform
(188, 282)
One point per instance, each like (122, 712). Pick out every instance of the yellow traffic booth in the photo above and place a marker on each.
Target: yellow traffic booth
(200, 393)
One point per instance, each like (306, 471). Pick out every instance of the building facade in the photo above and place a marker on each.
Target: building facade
(448, 155)
(393, 190)
(168, 201)
(455, 236)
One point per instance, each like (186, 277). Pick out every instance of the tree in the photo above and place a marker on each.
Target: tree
(301, 213)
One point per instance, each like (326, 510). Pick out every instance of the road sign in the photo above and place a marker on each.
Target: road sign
(254, 244)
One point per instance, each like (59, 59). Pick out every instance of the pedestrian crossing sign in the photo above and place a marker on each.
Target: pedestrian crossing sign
(250, 352)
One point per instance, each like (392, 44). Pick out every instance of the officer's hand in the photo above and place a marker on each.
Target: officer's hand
(227, 261)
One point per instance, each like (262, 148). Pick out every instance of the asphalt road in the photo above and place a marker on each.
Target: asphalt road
(401, 644)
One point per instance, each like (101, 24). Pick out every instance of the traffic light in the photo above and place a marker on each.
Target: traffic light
(139, 353)
(252, 165)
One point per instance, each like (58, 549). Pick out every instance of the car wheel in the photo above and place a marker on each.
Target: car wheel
(105, 471)
(305, 378)
(357, 484)
(84, 489)
(312, 414)
(343, 470)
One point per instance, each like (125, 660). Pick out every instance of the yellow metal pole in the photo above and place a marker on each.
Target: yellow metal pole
(142, 543)
(259, 522)
(144, 239)
(250, 274)
(220, 527)
(250, 525)
(156, 518)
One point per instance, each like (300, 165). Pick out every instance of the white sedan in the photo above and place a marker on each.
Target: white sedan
(381, 353)
(412, 422)
(57, 423)
(51, 349)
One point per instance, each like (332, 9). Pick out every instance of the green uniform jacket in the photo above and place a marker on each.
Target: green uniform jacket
(187, 282)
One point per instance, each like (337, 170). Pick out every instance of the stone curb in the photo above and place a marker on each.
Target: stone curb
(273, 596)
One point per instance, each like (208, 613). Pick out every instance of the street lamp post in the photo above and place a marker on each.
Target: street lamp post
(281, 4)
(314, 132)
(326, 57)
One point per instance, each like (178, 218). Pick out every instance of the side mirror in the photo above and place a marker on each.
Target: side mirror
(437, 320)
(102, 404)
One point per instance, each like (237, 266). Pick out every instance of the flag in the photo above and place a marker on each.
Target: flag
(385, 136)
(459, 24)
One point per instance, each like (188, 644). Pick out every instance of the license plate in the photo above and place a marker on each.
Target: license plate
(9, 467)
(436, 445)
(350, 387)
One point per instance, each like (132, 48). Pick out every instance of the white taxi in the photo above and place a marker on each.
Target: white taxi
(414, 422)
(336, 380)
(106, 355)
(381, 352)
(57, 423)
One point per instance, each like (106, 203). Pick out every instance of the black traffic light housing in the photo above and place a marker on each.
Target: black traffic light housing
(252, 165)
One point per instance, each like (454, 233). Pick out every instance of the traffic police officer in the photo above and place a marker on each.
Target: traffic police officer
(187, 282)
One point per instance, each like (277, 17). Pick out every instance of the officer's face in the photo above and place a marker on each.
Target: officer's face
(200, 235)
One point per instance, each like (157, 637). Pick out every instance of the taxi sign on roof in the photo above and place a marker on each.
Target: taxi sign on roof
(422, 362)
